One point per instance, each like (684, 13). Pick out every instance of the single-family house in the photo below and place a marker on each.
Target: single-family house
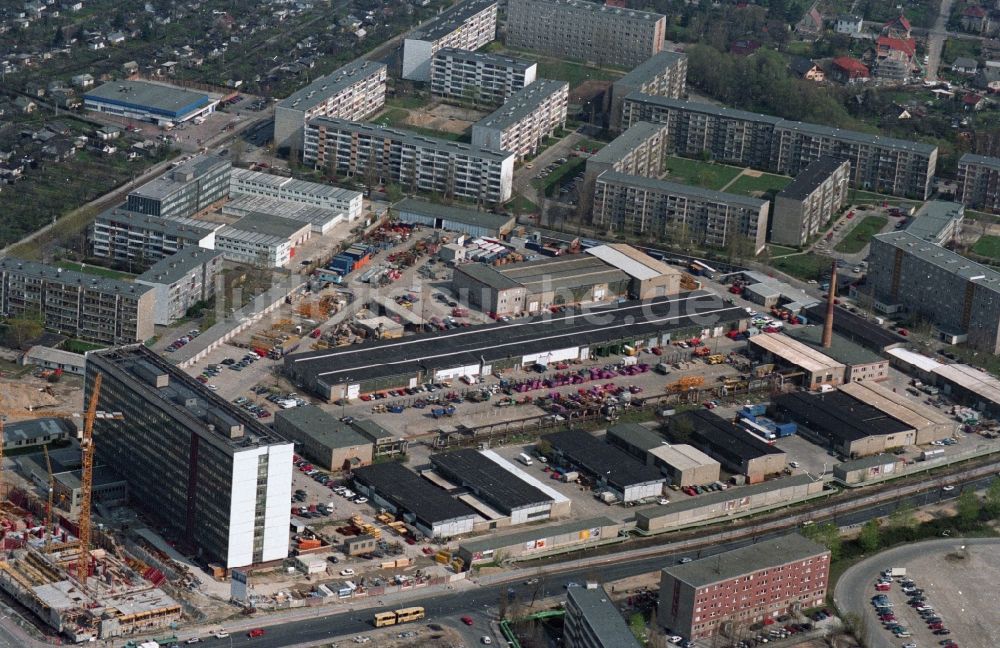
(25, 105)
(82, 80)
(976, 20)
(964, 65)
(898, 27)
(988, 78)
(848, 70)
(804, 68)
(851, 25)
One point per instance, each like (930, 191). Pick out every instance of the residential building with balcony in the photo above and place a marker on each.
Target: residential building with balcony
(662, 75)
(189, 188)
(979, 182)
(180, 281)
(810, 201)
(479, 77)
(641, 151)
(468, 25)
(139, 240)
(527, 119)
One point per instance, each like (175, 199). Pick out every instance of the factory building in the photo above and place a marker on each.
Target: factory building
(636, 205)
(860, 363)
(640, 151)
(158, 103)
(202, 467)
(479, 77)
(418, 502)
(593, 621)
(799, 362)
(538, 541)
(299, 192)
(663, 75)
(960, 297)
(726, 593)
(468, 25)
(500, 491)
(180, 281)
(456, 219)
(610, 468)
(262, 240)
(323, 438)
(355, 91)
(650, 278)
(410, 160)
(684, 465)
(937, 221)
(53, 359)
(321, 221)
(968, 385)
(526, 120)
(140, 240)
(585, 31)
(737, 450)
(384, 442)
(807, 204)
(859, 471)
(978, 177)
(84, 306)
(191, 187)
(855, 328)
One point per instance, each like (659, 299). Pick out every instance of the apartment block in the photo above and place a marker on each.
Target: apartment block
(529, 117)
(979, 182)
(638, 205)
(355, 91)
(202, 468)
(581, 30)
(189, 188)
(87, 307)
(313, 194)
(884, 164)
(810, 201)
(479, 77)
(139, 240)
(412, 161)
(640, 151)
(960, 297)
(726, 593)
(468, 25)
(593, 621)
(662, 75)
(180, 281)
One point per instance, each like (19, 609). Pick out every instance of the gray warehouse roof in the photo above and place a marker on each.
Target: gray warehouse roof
(322, 426)
(625, 143)
(446, 212)
(176, 266)
(601, 459)
(522, 103)
(448, 21)
(841, 349)
(329, 85)
(152, 95)
(745, 560)
(811, 177)
(488, 275)
(27, 431)
(636, 435)
(677, 189)
(268, 225)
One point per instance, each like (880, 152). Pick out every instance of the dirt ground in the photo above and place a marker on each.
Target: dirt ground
(587, 90)
(445, 118)
(30, 393)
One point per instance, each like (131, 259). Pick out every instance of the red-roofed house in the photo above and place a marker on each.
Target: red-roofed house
(973, 101)
(895, 47)
(897, 28)
(845, 69)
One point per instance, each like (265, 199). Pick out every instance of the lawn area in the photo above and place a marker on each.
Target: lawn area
(803, 266)
(857, 196)
(521, 205)
(77, 346)
(393, 117)
(574, 73)
(861, 235)
(988, 246)
(702, 174)
(750, 186)
(405, 102)
(779, 250)
(94, 270)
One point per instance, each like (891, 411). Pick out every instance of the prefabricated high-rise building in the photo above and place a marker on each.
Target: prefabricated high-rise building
(479, 77)
(203, 468)
(468, 25)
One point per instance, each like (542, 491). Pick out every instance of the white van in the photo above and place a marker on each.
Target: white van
(525, 459)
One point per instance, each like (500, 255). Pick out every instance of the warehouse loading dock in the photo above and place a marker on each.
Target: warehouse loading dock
(736, 449)
(610, 469)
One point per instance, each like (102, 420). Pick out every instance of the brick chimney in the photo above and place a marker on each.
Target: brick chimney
(828, 324)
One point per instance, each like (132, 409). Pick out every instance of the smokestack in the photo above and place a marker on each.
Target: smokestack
(828, 325)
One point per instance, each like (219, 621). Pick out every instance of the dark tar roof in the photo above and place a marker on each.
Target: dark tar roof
(725, 438)
(601, 459)
(637, 436)
(412, 493)
(746, 560)
(855, 327)
(601, 615)
(499, 487)
(810, 178)
(491, 342)
(839, 416)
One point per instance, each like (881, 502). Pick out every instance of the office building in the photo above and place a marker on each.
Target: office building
(83, 306)
(587, 31)
(414, 162)
(883, 164)
(641, 151)
(810, 201)
(203, 468)
(158, 103)
(979, 182)
(323, 438)
(469, 25)
(180, 281)
(730, 445)
(262, 240)
(638, 205)
(139, 240)
(479, 77)
(728, 592)
(244, 182)
(527, 119)
(189, 188)
(663, 75)
(355, 92)
(960, 297)
(593, 621)
(937, 221)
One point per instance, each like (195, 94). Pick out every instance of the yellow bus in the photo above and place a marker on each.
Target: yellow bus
(405, 615)
(385, 619)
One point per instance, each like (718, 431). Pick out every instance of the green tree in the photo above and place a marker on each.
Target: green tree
(903, 518)
(637, 624)
(992, 503)
(968, 509)
(21, 330)
(827, 535)
(869, 537)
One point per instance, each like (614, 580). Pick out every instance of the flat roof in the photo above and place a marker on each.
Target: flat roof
(46, 272)
(977, 381)
(811, 177)
(651, 67)
(601, 615)
(941, 257)
(933, 218)
(918, 360)
(176, 266)
(449, 20)
(633, 262)
(899, 406)
(636, 135)
(839, 416)
(409, 491)
(841, 350)
(601, 459)
(592, 7)
(522, 103)
(724, 437)
(32, 429)
(142, 94)
(677, 189)
(536, 533)
(173, 180)
(718, 497)
(499, 487)
(794, 352)
(292, 186)
(372, 430)
(485, 219)
(855, 326)
(296, 211)
(103, 476)
(980, 160)
(636, 435)
(322, 427)
(331, 84)
(568, 271)
(499, 60)
(488, 275)
(267, 225)
(746, 560)
(682, 456)
(545, 332)
(180, 228)
(867, 462)
(59, 356)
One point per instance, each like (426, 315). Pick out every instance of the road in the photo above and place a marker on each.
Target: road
(935, 40)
